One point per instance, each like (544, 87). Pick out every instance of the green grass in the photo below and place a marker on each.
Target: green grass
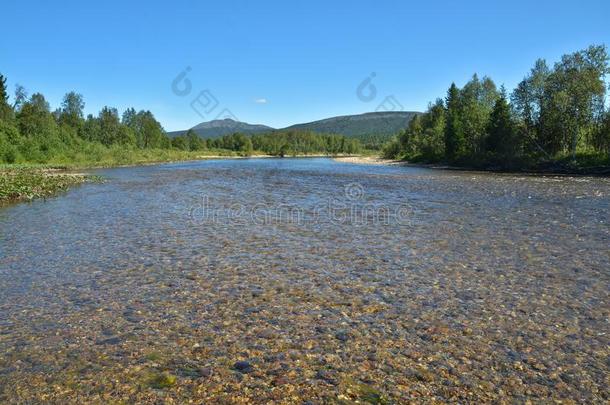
(118, 156)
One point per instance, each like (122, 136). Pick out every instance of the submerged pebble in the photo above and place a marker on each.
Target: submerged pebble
(115, 293)
(243, 367)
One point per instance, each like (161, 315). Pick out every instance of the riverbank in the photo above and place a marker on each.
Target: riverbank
(555, 167)
(366, 160)
(25, 182)
(28, 183)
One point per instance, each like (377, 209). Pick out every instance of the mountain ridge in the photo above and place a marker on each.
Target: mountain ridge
(384, 123)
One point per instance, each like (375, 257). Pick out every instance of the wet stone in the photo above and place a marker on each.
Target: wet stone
(329, 376)
(280, 380)
(457, 306)
(243, 367)
(115, 340)
(342, 336)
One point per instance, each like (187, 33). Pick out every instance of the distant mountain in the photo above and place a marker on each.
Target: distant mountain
(374, 124)
(218, 128)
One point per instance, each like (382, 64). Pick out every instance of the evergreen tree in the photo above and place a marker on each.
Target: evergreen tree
(454, 137)
(6, 111)
(501, 139)
(3, 92)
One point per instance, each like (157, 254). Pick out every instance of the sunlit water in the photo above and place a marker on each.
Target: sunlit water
(415, 282)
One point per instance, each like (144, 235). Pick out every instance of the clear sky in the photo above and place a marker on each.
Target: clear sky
(281, 62)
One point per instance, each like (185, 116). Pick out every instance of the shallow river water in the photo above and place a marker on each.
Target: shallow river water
(295, 280)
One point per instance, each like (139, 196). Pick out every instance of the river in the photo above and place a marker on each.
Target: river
(288, 280)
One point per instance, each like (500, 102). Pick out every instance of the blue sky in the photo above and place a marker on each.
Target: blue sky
(281, 62)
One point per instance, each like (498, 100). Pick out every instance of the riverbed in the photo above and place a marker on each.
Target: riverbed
(293, 280)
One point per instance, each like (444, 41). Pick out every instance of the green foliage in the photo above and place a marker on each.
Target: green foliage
(236, 142)
(189, 141)
(149, 132)
(552, 113)
(66, 137)
(573, 98)
(526, 103)
(601, 138)
(111, 131)
(180, 142)
(71, 112)
(9, 136)
(455, 144)
(21, 96)
(304, 142)
(3, 91)
(194, 142)
(424, 136)
(6, 111)
(501, 142)
(392, 149)
(372, 141)
(31, 133)
(379, 125)
(475, 103)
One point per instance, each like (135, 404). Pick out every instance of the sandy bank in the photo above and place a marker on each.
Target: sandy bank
(367, 160)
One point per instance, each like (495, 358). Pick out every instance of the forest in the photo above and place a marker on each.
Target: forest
(277, 143)
(555, 114)
(30, 132)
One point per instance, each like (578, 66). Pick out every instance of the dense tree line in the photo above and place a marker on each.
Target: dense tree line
(189, 141)
(31, 132)
(288, 143)
(373, 141)
(304, 142)
(553, 113)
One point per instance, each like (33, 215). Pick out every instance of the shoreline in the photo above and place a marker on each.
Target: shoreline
(28, 182)
(47, 180)
(551, 170)
(367, 160)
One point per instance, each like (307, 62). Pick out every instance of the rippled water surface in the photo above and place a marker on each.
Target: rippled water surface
(262, 280)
